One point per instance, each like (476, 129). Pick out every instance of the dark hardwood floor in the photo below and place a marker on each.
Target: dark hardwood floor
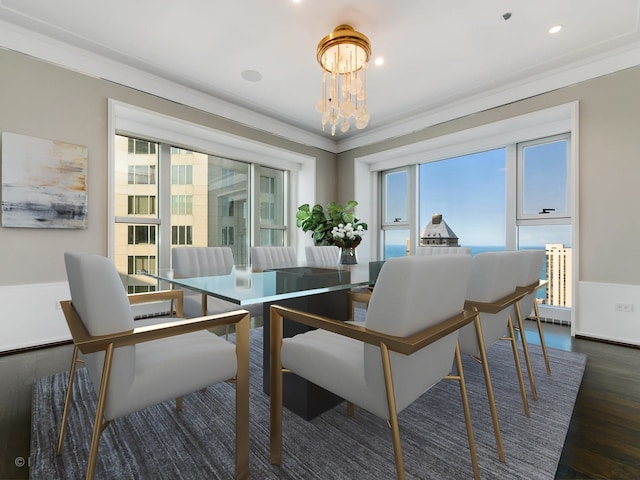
(602, 441)
(603, 438)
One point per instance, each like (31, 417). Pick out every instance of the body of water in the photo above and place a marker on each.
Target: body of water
(400, 250)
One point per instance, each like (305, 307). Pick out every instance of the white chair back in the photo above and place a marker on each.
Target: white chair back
(99, 298)
(201, 261)
(493, 276)
(431, 250)
(531, 266)
(322, 255)
(411, 294)
(267, 258)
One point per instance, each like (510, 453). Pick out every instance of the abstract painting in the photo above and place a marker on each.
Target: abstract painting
(44, 183)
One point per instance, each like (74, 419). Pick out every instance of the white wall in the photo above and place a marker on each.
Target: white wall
(599, 317)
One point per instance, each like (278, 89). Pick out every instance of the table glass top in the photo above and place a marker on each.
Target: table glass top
(244, 287)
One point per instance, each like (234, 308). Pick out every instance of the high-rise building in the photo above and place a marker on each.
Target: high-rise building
(558, 274)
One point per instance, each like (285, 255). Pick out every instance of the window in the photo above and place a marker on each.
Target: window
(188, 198)
(141, 205)
(544, 214)
(267, 185)
(272, 212)
(227, 236)
(141, 147)
(181, 174)
(396, 193)
(142, 174)
(469, 192)
(543, 177)
(139, 263)
(141, 234)
(181, 235)
(181, 204)
(396, 212)
(267, 212)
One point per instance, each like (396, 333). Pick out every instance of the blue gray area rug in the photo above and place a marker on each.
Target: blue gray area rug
(197, 443)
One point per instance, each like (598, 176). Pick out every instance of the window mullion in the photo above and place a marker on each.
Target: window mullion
(164, 205)
(512, 188)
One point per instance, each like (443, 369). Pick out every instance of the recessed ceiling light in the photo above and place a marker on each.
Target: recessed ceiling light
(251, 75)
(555, 28)
(379, 61)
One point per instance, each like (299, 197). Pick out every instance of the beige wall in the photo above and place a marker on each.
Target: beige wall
(609, 169)
(45, 101)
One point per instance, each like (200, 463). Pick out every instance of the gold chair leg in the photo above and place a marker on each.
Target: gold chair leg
(542, 342)
(525, 349)
(351, 409)
(99, 425)
(516, 359)
(67, 399)
(489, 386)
(179, 403)
(275, 385)
(393, 415)
(242, 399)
(467, 411)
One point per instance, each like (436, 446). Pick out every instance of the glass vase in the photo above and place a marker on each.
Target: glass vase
(348, 256)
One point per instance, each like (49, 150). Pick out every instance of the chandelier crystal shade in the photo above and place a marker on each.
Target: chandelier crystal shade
(344, 57)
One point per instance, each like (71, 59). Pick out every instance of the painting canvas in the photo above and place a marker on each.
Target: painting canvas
(44, 183)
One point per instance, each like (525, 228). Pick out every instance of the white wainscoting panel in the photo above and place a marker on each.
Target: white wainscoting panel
(31, 315)
(597, 316)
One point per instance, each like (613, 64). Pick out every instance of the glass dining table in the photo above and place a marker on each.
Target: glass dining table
(318, 289)
(244, 287)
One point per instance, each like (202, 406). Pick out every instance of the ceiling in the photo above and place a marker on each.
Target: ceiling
(442, 58)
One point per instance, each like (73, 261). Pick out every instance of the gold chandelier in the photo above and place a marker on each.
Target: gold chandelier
(344, 56)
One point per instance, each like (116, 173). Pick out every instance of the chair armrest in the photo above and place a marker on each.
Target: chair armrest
(533, 287)
(497, 305)
(405, 345)
(90, 344)
(159, 296)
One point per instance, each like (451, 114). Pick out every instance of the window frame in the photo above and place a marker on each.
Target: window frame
(551, 218)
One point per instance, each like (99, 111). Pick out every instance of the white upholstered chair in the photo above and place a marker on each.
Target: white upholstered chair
(529, 282)
(266, 258)
(492, 293)
(322, 255)
(133, 368)
(443, 250)
(408, 343)
(204, 262)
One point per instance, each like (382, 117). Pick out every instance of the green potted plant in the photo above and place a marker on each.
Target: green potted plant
(320, 221)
